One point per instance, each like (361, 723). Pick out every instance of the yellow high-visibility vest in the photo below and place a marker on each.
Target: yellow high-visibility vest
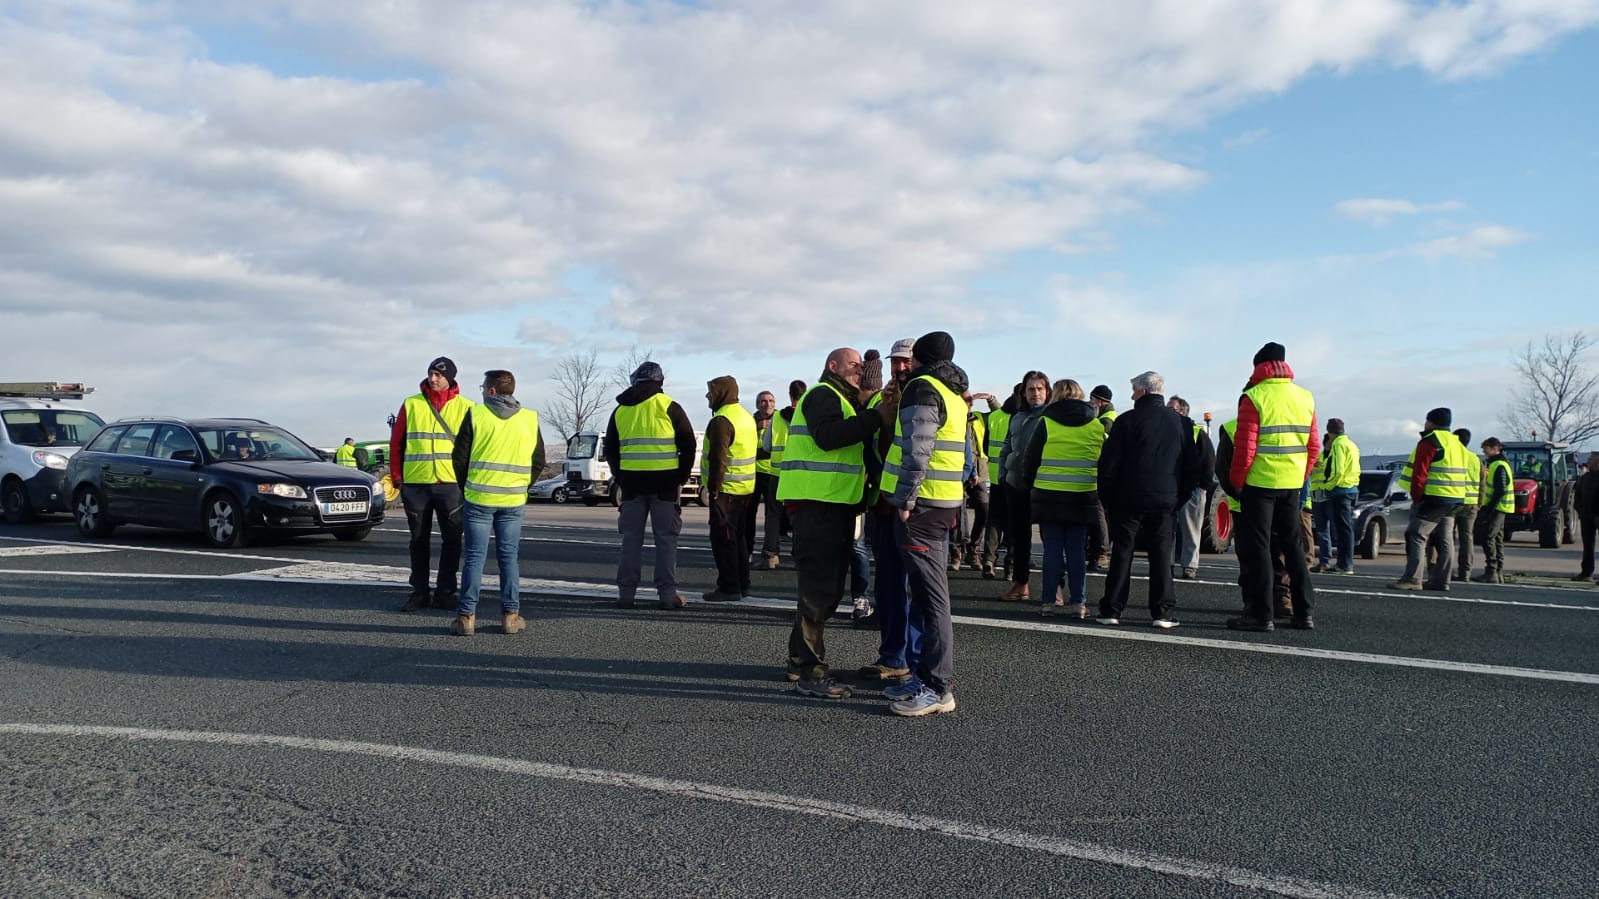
(646, 438)
(1446, 477)
(1286, 412)
(1070, 463)
(812, 473)
(501, 467)
(345, 455)
(1231, 429)
(942, 482)
(427, 445)
(1506, 503)
(739, 479)
(1474, 472)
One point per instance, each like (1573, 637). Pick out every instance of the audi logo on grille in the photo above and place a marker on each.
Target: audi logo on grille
(347, 493)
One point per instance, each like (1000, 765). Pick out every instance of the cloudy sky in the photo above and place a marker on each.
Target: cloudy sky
(285, 210)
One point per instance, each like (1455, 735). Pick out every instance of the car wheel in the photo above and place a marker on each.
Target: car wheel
(90, 511)
(14, 498)
(1371, 541)
(350, 535)
(559, 496)
(703, 498)
(223, 521)
(616, 495)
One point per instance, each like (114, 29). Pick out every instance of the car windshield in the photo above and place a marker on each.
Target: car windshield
(1373, 484)
(51, 427)
(582, 446)
(254, 443)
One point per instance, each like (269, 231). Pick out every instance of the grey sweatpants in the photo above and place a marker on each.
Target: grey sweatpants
(666, 518)
(1426, 518)
(924, 548)
(1186, 521)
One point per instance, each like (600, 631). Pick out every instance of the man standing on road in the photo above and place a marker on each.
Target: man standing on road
(1334, 486)
(900, 626)
(507, 451)
(765, 496)
(728, 468)
(1466, 514)
(1275, 445)
(1498, 500)
(922, 477)
(1435, 476)
(346, 453)
(1189, 519)
(427, 453)
(1587, 502)
(650, 446)
(1099, 535)
(824, 487)
(1145, 467)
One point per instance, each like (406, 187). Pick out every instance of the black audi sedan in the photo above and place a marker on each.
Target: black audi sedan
(228, 478)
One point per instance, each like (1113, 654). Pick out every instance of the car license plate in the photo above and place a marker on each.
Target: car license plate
(355, 508)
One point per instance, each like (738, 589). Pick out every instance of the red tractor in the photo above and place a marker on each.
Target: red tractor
(1545, 481)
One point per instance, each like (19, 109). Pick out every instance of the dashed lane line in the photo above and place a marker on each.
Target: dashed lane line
(696, 791)
(583, 590)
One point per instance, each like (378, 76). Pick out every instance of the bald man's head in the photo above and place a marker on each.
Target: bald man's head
(845, 364)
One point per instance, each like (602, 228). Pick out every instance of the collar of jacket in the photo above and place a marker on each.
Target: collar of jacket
(1267, 370)
(850, 391)
(437, 398)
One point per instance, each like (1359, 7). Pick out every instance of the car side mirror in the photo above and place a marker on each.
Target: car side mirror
(190, 456)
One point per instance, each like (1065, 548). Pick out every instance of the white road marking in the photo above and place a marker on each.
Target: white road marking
(706, 792)
(51, 549)
(590, 590)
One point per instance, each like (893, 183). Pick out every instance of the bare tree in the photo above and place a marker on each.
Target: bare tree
(582, 389)
(1557, 394)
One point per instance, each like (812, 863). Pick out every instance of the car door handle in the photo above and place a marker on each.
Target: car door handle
(105, 467)
(146, 470)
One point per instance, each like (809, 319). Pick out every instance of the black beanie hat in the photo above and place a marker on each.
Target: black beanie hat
(1441, 417)
(1100, 392)
(1335, 425)
(646, 371)
(934, 346)
(444, 366)
(1272, 352)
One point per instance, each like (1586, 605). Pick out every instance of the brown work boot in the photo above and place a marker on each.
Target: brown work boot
(674, 602)
(420, 599)
(1015, 593)
(1489, 577)
(955, 560)
(513, 622)
(464, 625)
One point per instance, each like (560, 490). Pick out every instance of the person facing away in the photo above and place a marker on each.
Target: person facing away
(506, 453)
(649, 445)
(1062, 462)
(1436, 477)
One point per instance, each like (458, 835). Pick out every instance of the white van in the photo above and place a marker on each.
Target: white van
(39, 432)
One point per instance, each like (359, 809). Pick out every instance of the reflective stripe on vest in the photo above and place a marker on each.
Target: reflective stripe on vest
(998, 429)
(501, 468)
(812, 473)
(645, 437)
(1473, 477)
(1231, 429)
(739, 479)
(1446, 476)
(779, 445)
(942, 481)
(345, 455)
(1282, 448)
(427, 449)
(1070, 463)
(1506, 503)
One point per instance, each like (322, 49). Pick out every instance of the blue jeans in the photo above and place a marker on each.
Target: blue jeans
(1070, 540)
(506, 524)
(1334, 520)
(860, 571)
(899, 624)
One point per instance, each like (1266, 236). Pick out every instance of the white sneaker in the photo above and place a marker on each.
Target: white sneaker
(1107, 621)
(863, 607)
(926, 702)
(1165, 624)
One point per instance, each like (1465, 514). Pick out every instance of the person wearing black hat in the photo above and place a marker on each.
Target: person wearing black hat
(650, 447)
(429, 446)
(1275, 445)
(1437, 477)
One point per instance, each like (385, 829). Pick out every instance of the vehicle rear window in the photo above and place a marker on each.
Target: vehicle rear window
(51, 427)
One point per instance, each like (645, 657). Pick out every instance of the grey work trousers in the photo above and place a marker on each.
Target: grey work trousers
(666, 518)
(824, 551)
(1426, 518)
(924, 548)
(1465, 523)
(1186, 522)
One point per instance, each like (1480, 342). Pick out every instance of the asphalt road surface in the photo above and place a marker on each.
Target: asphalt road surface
(178, 721)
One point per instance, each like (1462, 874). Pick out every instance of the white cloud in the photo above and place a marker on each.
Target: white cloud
(1380, 211)
(1482, 242)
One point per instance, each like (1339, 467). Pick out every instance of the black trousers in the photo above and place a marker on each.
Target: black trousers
(824, 549)
(1268, 516)
(422, 502)
(1586, 523)
(1019, 533)
(977, 499)
(1124, 527)
(763, 499)
(727, 544)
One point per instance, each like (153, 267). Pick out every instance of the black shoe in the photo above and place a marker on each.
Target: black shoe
(865, 622)
(420, 599)
(1582, 577)
(1306, 623)
(446, 600)
(1246, 623)
(719, 596)
(1436, 588)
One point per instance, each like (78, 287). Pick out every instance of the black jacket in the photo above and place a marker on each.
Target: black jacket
(666, 484)
(1058, 506)
(1148, 461)
(824, 418)
(1587, 498)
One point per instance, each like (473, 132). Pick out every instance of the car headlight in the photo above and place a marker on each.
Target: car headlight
(49, 460)
(291, 491)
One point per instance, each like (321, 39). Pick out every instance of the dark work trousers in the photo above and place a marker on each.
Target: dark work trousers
(977, 499)
(1124, 527)
(824, 552)
(899, 624)
(1493, 544)
(1585, 523)
(1098, 538)
(1465, 523)
(1271, 519)
(998, 516)
(665, 515)
(422, 502)
(924, 548)
(1019, 533)
(763, 500)
(1427, 518)
(727, 544)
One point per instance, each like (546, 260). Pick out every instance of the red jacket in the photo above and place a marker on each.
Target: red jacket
(1428, 451)
(436, 398)
(1246, 440)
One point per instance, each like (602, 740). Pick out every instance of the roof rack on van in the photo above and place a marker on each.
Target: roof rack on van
(45, 390)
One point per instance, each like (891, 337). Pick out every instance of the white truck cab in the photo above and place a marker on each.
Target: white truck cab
(589, 477)
(39, 432)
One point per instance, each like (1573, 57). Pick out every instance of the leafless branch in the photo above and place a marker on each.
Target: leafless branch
(1556, 394)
